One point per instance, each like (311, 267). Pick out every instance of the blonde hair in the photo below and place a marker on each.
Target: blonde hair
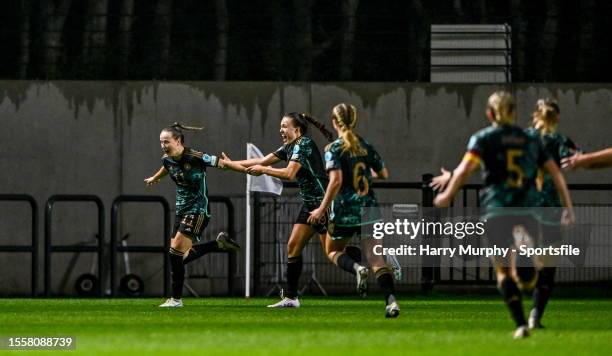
(346, 118)
(501, 105)
(547, 114)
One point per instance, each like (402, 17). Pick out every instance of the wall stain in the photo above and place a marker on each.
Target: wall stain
(121, 96)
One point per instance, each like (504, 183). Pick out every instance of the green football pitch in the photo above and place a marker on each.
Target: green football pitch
(442, 325)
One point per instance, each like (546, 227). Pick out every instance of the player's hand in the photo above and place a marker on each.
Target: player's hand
(256, 170)
(438, 183)
(442, 201)
(225, 157)
(572, 162)
(568, 217)
(151, 180)
(316, 216)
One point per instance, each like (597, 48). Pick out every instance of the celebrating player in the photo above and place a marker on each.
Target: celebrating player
(187, 168)
(350, 160)
(510, 159)
(305, 165)
(557, 146)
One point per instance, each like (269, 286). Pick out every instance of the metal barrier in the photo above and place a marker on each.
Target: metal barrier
(231, 230)
(201, 270)
(273, 218)
(32, 249)
(272, 221)
(50, 248)
(115, 248)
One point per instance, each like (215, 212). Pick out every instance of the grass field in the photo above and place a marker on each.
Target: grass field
(441, 325)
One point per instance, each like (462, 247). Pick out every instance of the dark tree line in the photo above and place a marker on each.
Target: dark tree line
(297, 40)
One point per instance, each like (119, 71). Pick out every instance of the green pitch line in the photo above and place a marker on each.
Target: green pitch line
(224, 326)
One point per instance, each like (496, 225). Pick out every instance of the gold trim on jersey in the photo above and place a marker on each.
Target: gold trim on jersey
(473, 157)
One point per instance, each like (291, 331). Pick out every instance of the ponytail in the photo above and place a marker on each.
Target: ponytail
(301, 120)
(346, 118)
(547, 113)
(319, 125)
(176, 131)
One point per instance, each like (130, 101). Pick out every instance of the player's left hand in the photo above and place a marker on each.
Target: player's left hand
(256, 170)
(568, 217)
(571, 162)
(151, 180)
(316, 216)
(438, 183)
(442, 201)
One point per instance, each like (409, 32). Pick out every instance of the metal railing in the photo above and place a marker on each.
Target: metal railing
(273, 218)
(32, 249)
(158, 249)
(50, 248)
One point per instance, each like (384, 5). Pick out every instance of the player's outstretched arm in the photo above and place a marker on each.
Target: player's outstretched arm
(231, 165)
(162, 172)
(551, 168)
(333, 187)
(287, 173)
(268, 160)
(465, 169)
(599, 159)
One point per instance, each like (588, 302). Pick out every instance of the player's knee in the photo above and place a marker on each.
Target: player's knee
(525, 278)
(293, 249)
(380, 270)
(502, 273)
(333, 256)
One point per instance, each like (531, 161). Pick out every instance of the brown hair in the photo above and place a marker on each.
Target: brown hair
(176, 130)
(302, 120)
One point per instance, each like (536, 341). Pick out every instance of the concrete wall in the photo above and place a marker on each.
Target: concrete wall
(102, 138)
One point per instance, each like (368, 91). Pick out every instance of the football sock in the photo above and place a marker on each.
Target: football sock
(512, 297)
(178, 272)
(200, 250)
(354, 252)
(294, 270)
(344, 261)
(543, 289)
(384, 278)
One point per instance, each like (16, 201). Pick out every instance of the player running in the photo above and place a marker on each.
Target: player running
(350, 161)
(557, 146)
(510, 159)
(305, 165)
(187, 168)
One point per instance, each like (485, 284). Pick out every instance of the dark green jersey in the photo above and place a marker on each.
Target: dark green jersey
(189, 174)
(356, 202)
(510, 159)
(311, 177)
(557, 147)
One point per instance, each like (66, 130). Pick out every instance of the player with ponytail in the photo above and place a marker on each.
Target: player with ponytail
(187, 168)
(306, 165)
(350, 161)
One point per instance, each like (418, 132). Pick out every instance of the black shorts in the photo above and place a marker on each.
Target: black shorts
(303, 216)
(500, 229)
(191, 225)
(346, 232)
